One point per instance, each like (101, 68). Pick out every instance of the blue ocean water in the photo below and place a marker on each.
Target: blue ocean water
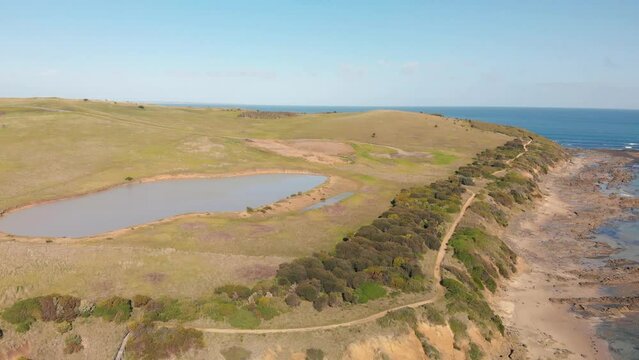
(578, 128)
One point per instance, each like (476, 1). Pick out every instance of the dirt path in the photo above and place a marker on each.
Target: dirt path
(120, 353)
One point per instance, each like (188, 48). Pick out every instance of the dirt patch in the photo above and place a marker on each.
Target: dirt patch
(202, 145)
(257, 272)
(317, 151)
(442, 338)
(155, 277)
(403, 347)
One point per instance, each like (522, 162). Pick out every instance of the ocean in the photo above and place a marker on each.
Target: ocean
(577, 128)
(574, 128)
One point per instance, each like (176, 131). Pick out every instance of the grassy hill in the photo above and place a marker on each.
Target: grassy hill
(53, 148)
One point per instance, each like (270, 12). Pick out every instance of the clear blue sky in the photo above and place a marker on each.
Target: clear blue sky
(570, 53)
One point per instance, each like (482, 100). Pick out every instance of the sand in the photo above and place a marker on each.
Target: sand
(552, 241)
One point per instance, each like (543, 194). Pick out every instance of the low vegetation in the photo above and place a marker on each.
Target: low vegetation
(148, 342)
(386, 253)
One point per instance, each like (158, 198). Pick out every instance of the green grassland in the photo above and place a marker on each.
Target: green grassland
(53, 148)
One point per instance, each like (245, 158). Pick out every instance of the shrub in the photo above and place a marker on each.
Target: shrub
(244, 319)
(73, 344)
(314, 354)
(149, 343)
(307, 291)
(235, 292)
(474, 352)
(369, 291)
(460, 299)
(458, 328)
(140, 300)
(167, 309)
(320, 302)
(292, 300)
(23, 314)
(433, 315)
(64, 327)
(59, 307)
(429, 350)
(402, 316)
(265, 308)
(114, 309)
(482, 255)
(236, 353)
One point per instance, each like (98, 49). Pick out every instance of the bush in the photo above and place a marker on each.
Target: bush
(320, 302)
(314, 354)
(115, 309)
(474, 352)
(167, 309)
(402, 316)
(236, 353)
(140, 300)
(429, 350)
(292, 300)
(369, 291)
(235, 292)
(73, 344)
(244, 319)
(433, 315)
(458, 328)
(307, 291)
(23, 314)
(64, 327)
(149, 343)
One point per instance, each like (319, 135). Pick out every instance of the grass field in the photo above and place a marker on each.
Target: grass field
(52, 148)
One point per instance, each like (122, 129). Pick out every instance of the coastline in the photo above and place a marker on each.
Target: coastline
(546, 304)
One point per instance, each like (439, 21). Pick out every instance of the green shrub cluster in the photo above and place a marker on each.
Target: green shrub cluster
(491, 160)
(461, 299)
(148, 342)
(56, 308)
(386, 252)
(401, 316)
(115, 309)
(490, 212)
(239, 313)
(485, 257)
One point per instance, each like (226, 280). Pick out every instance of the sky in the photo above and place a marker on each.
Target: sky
(548, 53)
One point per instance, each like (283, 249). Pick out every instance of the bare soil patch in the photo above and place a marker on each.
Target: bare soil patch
(317, 151)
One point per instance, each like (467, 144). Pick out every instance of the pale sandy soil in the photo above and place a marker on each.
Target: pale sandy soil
(551, 244)
(317, 151)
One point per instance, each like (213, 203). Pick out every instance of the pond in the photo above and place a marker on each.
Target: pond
(330, 201)
(135, 204)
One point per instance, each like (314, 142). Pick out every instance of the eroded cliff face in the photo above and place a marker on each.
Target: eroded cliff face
(434, 342)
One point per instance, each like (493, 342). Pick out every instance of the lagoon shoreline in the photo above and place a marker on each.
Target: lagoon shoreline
(554, 304)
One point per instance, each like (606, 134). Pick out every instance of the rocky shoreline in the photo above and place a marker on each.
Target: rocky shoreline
(556, 301)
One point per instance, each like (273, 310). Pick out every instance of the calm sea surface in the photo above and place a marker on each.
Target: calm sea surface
(581, 128)
(577, 128)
